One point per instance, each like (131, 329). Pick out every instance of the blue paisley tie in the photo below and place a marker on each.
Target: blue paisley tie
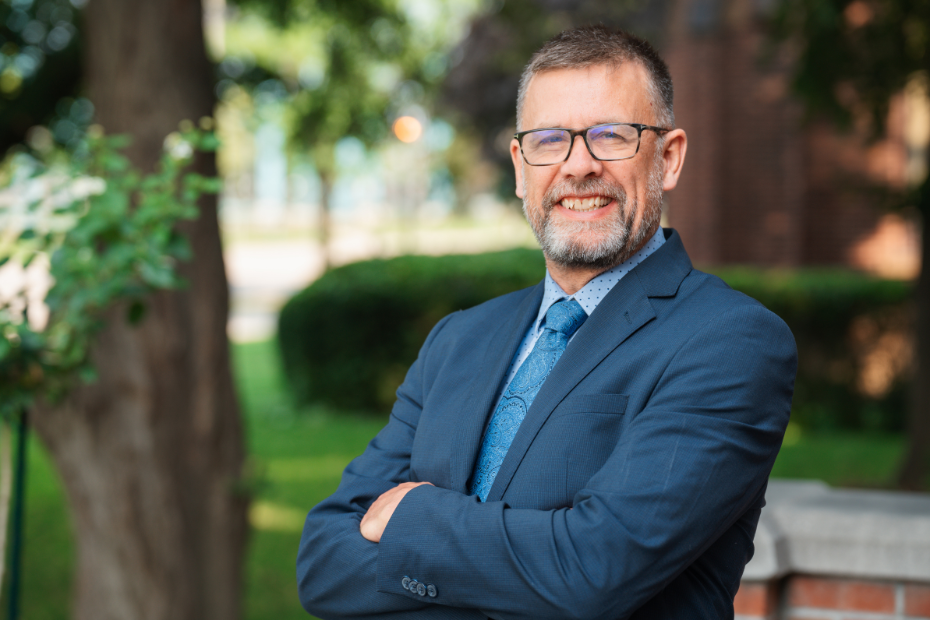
(562, 320)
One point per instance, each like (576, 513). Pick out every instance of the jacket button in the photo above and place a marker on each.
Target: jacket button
(421, 589)
(431, 590)
(405, 583)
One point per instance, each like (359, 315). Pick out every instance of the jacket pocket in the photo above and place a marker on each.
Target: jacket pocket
(593, 403)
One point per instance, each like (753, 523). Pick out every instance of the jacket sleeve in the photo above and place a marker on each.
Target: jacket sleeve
(336, 565)
(686, 467)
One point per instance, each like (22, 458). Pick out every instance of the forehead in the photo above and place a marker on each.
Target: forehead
(576, 98)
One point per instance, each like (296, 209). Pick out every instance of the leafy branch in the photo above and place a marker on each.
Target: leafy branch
(107, 233)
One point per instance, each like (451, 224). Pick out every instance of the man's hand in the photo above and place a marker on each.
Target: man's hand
(381, 511)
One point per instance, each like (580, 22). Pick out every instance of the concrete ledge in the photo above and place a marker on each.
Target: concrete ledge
(807, 527)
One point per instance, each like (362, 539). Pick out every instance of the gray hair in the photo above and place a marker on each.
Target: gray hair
(587, 46)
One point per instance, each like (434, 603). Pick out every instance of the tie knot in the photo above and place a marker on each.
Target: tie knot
(565, 317)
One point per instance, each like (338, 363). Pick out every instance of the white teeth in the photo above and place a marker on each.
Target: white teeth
(585, 204)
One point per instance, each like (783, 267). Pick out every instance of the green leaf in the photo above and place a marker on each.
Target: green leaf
(209, 142)
(211, 185)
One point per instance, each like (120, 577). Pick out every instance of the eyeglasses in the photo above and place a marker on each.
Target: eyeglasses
(610, 142)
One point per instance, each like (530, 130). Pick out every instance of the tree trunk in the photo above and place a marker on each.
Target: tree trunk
(915, 471)
(151, 454)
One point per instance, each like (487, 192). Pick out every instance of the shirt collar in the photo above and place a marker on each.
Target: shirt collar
(594, 291)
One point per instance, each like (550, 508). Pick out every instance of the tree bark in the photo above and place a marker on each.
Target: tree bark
(151, 454)
(915, 470)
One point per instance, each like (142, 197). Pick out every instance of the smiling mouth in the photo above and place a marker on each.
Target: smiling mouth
(589, 203)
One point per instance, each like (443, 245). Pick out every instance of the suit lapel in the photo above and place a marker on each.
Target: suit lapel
(502, 345)
(622, 312)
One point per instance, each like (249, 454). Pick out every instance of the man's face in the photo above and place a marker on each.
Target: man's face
(585, 212)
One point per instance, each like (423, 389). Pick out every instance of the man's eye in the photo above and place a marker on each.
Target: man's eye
(548, 139)
(609, 136)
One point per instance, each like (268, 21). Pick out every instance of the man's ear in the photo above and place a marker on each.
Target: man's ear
(517, 158)
(676, 146)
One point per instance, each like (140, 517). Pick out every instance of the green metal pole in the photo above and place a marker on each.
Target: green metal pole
(16, 536)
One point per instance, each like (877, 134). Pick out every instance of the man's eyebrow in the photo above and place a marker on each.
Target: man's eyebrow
(546, 126)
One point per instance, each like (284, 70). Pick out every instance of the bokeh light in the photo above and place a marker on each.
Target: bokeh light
(407, 129)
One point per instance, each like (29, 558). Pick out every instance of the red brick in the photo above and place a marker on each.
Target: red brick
(917, 600)
(755, 599)
(839, 594)
(866, 596)
(814, 592)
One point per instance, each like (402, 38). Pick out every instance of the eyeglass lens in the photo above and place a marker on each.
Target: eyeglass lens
(551, 146)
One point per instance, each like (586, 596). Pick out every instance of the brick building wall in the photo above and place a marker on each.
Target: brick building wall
(759, 186)
(805, 597)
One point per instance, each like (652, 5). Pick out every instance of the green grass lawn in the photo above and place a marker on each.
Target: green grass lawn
(841, 459)
(298, 457)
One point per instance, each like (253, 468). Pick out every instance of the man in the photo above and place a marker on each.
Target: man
(596, 446)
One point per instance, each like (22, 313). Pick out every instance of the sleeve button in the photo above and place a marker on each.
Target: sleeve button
(421, 589)
(405, 583)
(431, 590)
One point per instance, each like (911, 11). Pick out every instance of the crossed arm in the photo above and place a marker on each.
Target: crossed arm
(681, 475)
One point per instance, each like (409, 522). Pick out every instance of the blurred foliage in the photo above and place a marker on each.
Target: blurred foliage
(378, 313)
(340, 69)
(40, 65)
(108, 234)
(853, 56)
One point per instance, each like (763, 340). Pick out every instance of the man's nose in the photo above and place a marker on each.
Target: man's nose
(580, 163)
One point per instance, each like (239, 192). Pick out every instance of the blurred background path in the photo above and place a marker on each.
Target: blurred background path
(265, 269)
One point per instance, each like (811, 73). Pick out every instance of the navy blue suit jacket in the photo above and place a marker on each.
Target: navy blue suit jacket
(633, 486)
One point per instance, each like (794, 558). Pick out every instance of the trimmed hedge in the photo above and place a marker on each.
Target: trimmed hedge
(348, 339)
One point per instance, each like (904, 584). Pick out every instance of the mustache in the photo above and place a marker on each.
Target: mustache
(571, 187)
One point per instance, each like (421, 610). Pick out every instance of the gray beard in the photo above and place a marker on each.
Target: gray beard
(599, 245)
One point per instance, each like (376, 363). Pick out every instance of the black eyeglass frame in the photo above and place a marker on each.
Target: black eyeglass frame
(584, 136)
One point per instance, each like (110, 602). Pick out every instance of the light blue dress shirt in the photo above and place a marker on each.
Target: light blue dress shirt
(589, 296)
